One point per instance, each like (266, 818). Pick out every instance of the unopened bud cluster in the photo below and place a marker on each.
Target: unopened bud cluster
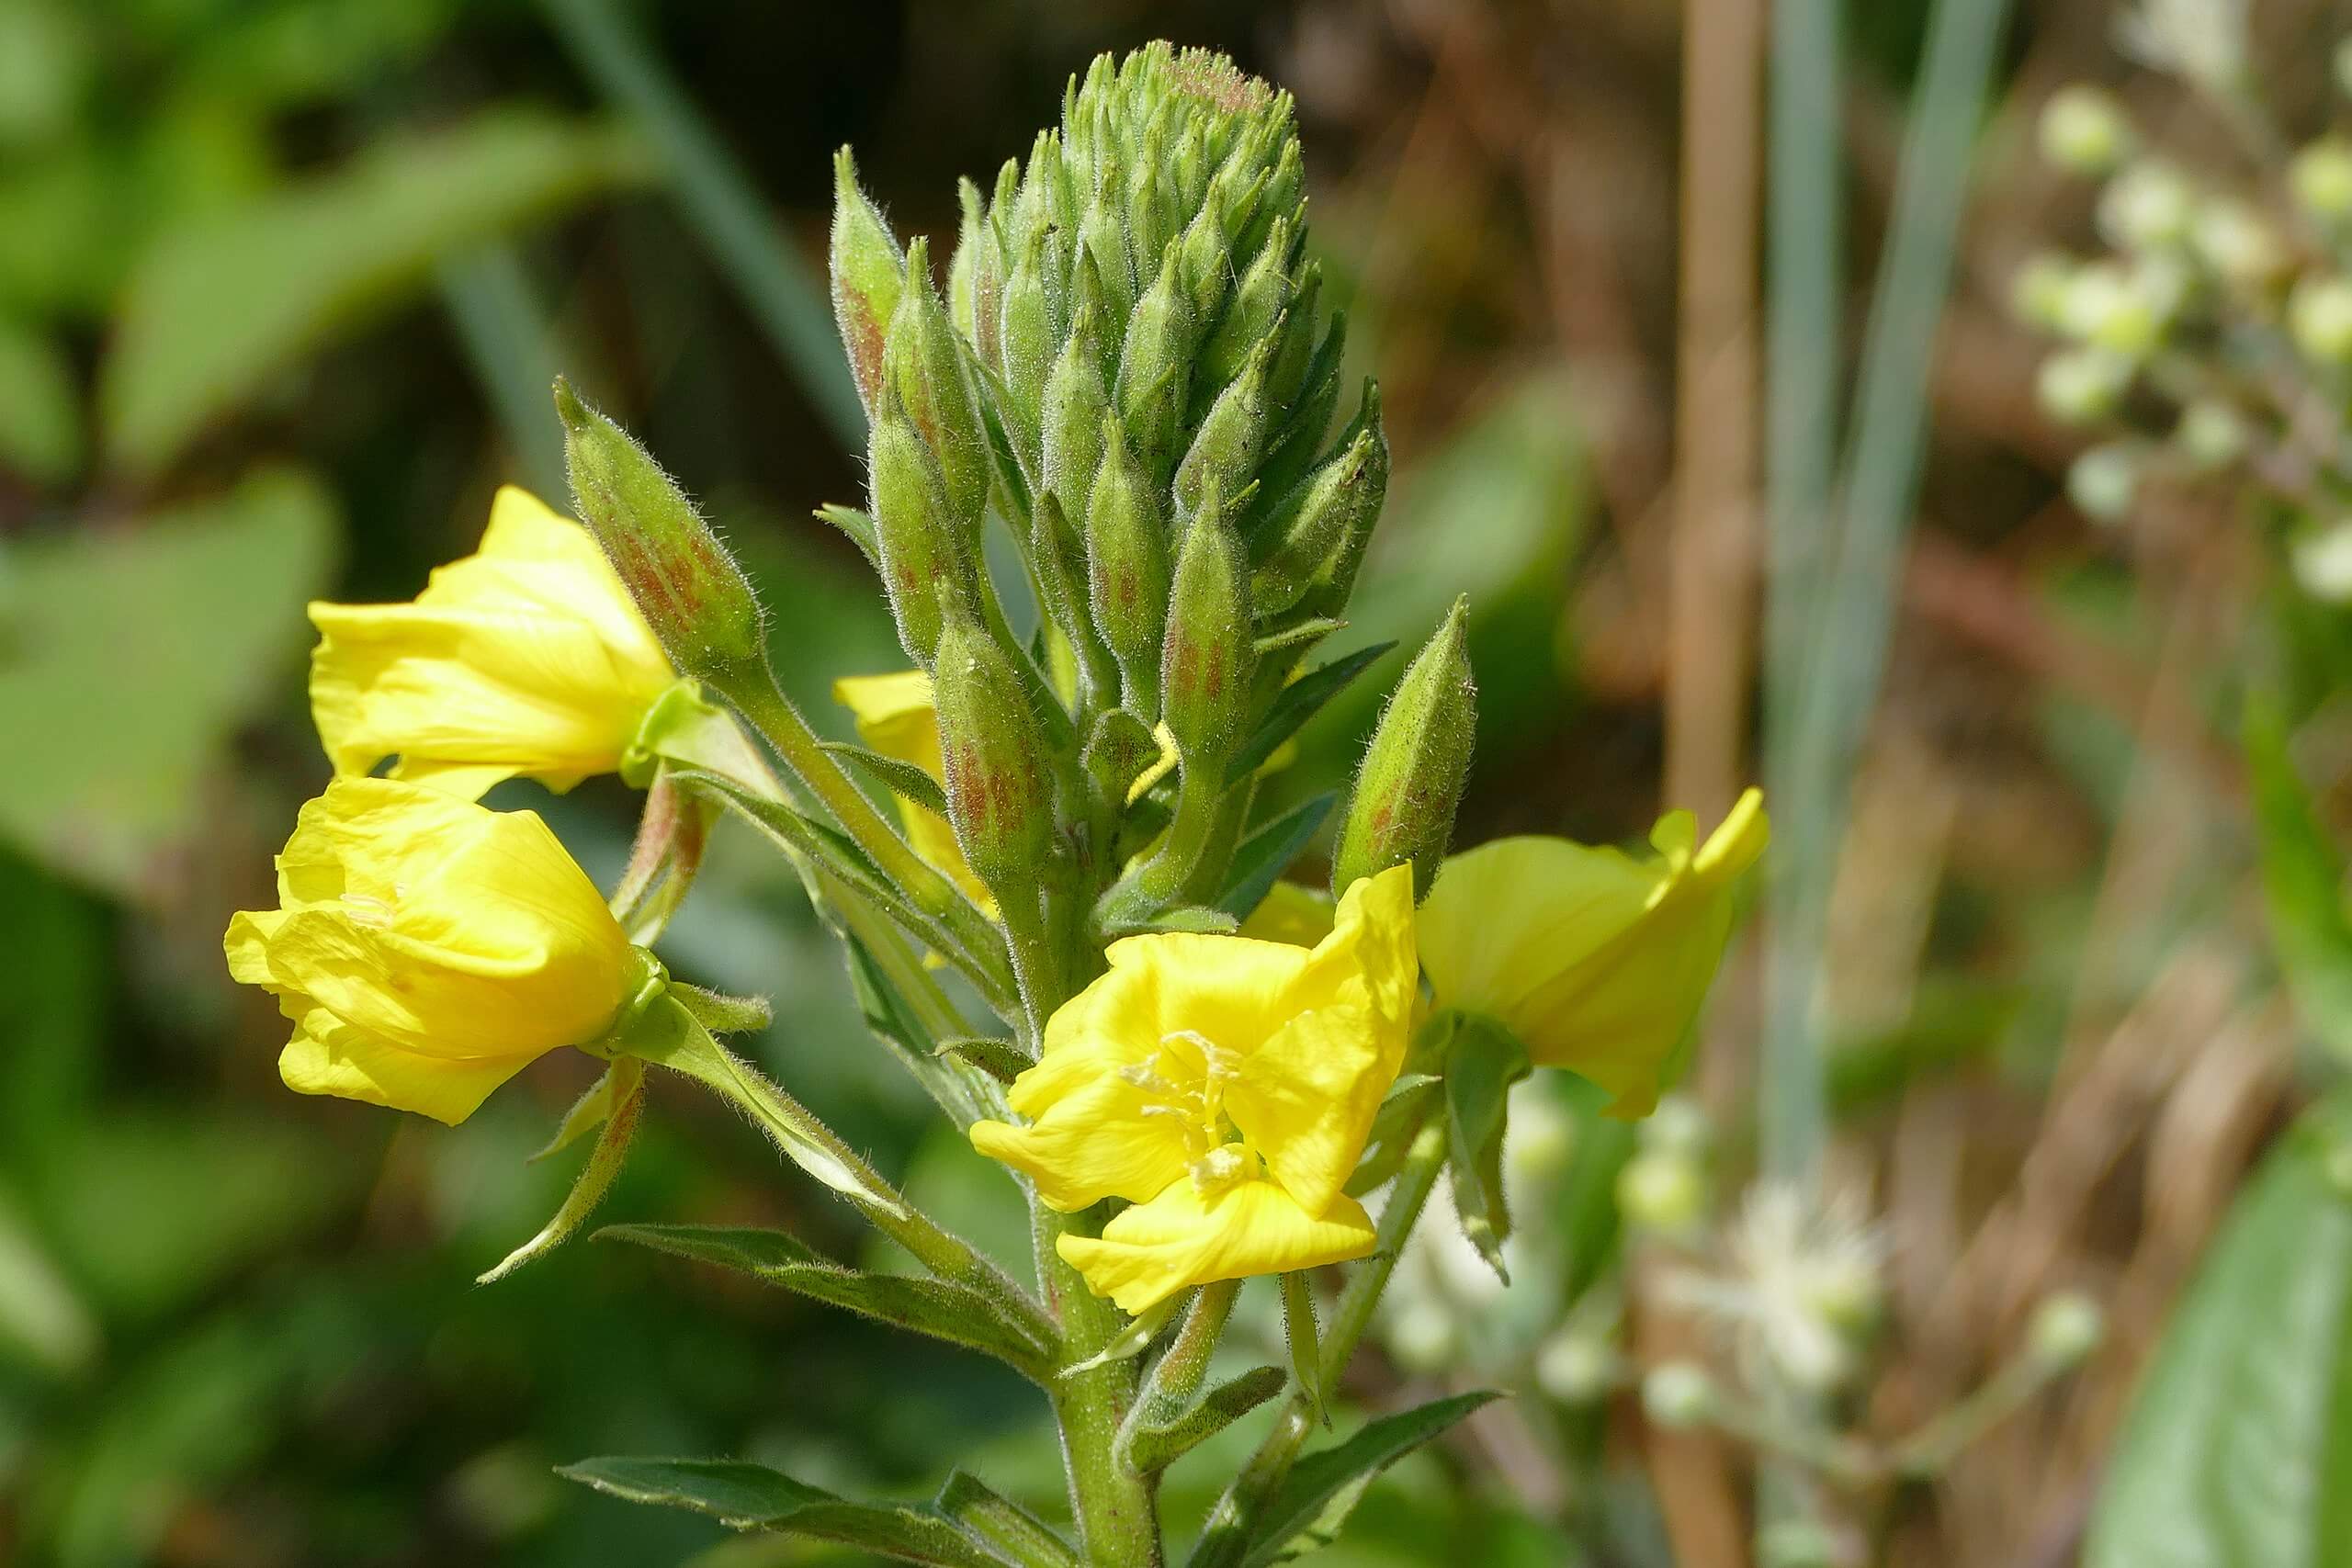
(2215, 333)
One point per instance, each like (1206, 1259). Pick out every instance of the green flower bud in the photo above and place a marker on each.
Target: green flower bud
(687, 587)
(2114, 310)
(2084, 130)
(2082, 386)
(2103, 481)
(1297, 354)
(1126, 556)
(992, 751)
(1224, 452)
(2319, 318)
(1678, 1395)
(2149, 205)
(1334, 507)
(1155, 368)
(1210, 652)
(972, 286)
(1336, 581)
(2239, 246)
(1076, 406)
(926, 552)
(927, 365)
(1102, 239)
(1411, 776)
(2038, 293)
(2321, 178)
(1292, 454)
(1030, 336)
(1256, 313)
(2065, 1329)
(867, 275)
(2211, 434)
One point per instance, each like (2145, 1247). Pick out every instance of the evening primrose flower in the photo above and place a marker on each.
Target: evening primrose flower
(525, 659)
(1223, 1086)
(895, 716)
(427, 949)
(1596, 960)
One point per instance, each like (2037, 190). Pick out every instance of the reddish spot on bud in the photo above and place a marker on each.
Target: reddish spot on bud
(866, 345)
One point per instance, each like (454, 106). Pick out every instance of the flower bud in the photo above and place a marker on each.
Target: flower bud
(2038, 292)
(683, 583)
(1678, 1395)
(2321, 178)
(1292, 452)
(1027, 354)
(2065, 1329)
(1666, 1194)
(1223, 455)
(975, 276)
(2114, 310)
(926, 555)
(1126, 555)
(1412, 777)
(992, 751)
(1102, 239)
(2084, 130)
(1210, 649)
(1337, 506)
(2319, 318)
(926, 365)
(1256, 313)
(2239, 244)
(1076, 407)
(2211, 435)
(867, 275)
(1155, 367)
(2103, 481)
(2082, 386)
(2149, 205)
(2322, 562)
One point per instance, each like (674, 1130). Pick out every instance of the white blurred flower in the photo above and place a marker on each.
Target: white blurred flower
(1800, 1286)
(2202, 41)
(2322, 563)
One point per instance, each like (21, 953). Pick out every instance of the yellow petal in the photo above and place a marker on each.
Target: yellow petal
(895, 716)
(358, 1066)
(1292, 913)
(526, 658)
(1095, 1143)
(1306, 1095)
(1180, 1239)
(1596, 960)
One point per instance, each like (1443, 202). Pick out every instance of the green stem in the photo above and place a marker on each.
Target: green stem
(1226, 1538)
(770, 712)
(1117, 1511)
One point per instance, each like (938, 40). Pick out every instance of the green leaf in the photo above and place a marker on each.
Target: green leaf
(1394, 1127)
(1015, 1533)
(1152, 1449)
(220, 306)
(1305, 1355)
(935, 1307)
(749, 1497)
(1485, 1062)
(1182, 917)
(1307, 1514)
(1001, 1059)
(110, 737)
(858, 527)
(2238, 1447)
(901, 779)
(40, 411)
(1299, 702)
(2303, 883)
(1265, 854)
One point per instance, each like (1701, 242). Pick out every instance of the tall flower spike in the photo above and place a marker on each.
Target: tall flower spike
(427, 950)
(525, 659)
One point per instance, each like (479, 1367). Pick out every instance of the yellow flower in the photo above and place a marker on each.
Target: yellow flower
(1223, 1086)
(1596, 960)
(526, 658)
(427, 949)
(895, 717)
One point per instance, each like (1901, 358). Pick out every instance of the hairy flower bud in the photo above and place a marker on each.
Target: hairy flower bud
(1155, 368)
(926, 554)
(1026, 352)
(1336, 505)
(683, 583)
(1232, 437)
(1411, 778)
(867, 275)
(1210, 652)
(926, 367)
(993, 753)
(1076, 405)
(1126, 556)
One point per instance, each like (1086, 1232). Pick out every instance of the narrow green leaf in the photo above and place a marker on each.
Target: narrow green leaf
(1305, 1355)
(721, 1013)
(858, 527)
(1265, 854)
(2303, 883)
(938, 1308)
(1299, 702)
(2238, 1447)
(1153, 1449)
(1484, 1063)
(1182, 917)
(1394, 1127)
(216, 309)
(1015, 1533)
(902, 779)
(1001, 1059)
(1304, 631)
(627, 1099)
(749, 1497)
(1307, 1514)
